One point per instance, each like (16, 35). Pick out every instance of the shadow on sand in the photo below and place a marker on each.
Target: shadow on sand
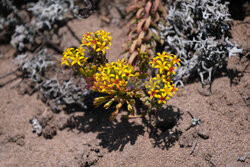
(114, 135)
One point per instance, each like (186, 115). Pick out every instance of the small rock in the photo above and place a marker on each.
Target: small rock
(46, 116)
(245, 158)
(62, 123)
(90, 156)
(37, 128)
(23, 88)
(97, 150)
(242, 159)
(49, 132)
(203, 133)
(20, 142)
(54, 107)
(15, 137)
(205, 91)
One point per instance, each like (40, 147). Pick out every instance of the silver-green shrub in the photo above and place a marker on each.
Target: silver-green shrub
(198, 32)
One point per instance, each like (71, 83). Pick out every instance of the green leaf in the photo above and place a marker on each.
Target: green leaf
(100, 100)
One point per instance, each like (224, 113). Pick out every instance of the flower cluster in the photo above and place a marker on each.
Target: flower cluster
(161, 87)
(98, 41)
(119, 81)
(95, 43)
(74, 57)
(114, 77)
(165, 63)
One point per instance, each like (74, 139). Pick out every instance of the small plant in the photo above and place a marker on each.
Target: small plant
(120, 82)
(144, 15)
(198, 33)
(50, 12)
(161, 87)
(33, 26)
(35, 66)
(96, 44)
(116, 80)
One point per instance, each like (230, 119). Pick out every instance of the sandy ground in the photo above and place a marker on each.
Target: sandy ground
(220, 140)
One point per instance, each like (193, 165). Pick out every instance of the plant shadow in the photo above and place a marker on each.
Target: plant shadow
(115, 135)
(235, 76)
(162, 126)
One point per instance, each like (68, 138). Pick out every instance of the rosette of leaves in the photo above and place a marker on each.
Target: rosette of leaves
(198, 33)
(118, 82)
(144, 15)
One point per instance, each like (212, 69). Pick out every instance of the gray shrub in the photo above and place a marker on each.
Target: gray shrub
(198, 32)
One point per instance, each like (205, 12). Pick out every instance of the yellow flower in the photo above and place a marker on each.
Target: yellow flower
(80, 50)
(161, 65)
(160, 87)
(175, 60)
(168, 89)
(161, 56)
(94, 43)
(65, 61)
(111, 78)
(162, 98)
(109, 40)
(77, 59)
(116, 81)
(66, 55)
(68, 52)
(128, 72)
(174, 89)
(102, 47)
(170, 70)
(153, 93)
(97, 41)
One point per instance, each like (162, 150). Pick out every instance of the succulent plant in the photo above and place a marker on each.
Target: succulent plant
(143, 34)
